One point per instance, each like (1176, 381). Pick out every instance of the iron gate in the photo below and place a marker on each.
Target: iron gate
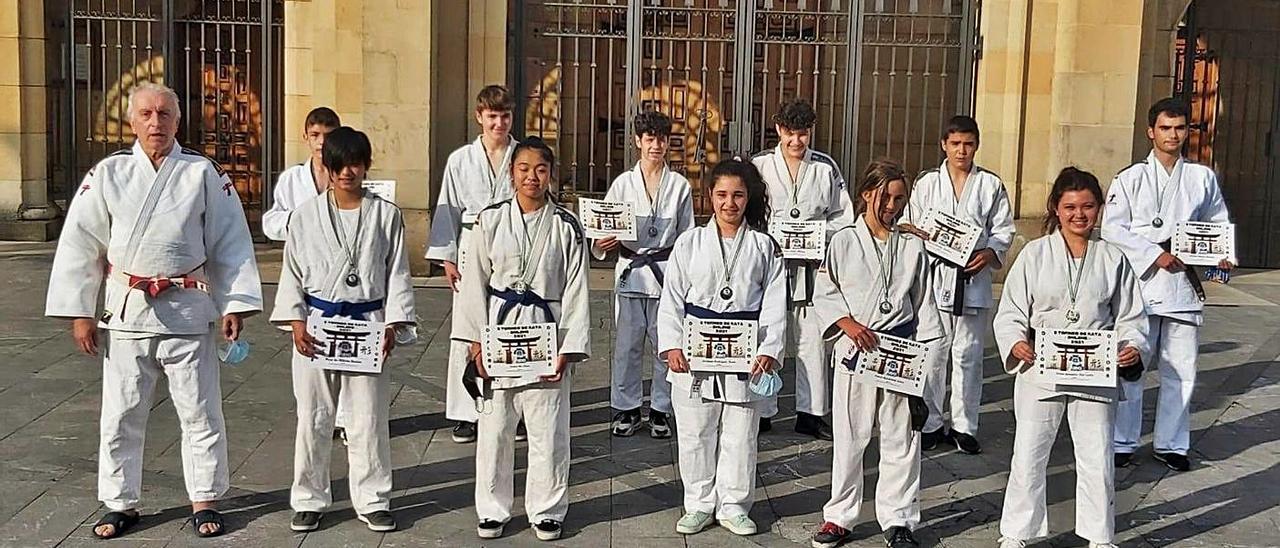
(222, 57)
(584, 67)
(1228, 51)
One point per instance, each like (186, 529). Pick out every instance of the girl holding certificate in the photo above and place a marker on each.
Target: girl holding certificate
(344, 257)
(729, 269)
(1067, 279)
(875, 280)
(527, 264)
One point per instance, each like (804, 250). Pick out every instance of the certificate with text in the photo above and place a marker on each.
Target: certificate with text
(1204, 244)
(601, 219)
(1076, 357)
(344, 344)
(520, 350)
(720, 346)
(897, 364)
(800, 239)
(950, 238)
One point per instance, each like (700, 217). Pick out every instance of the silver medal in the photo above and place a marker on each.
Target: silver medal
(1157, 222)
(795, 213)
(885, 307)
(352, 280)
(726, 293)
(653, 231)
(518, 286)
(1073, 316)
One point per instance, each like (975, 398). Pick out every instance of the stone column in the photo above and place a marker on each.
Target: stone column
(26, 212)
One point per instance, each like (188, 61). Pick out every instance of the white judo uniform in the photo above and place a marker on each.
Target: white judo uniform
(295, 186)
(1173, 302)
(469, 185)
(985, 203)
(638, 283)
(850, 285)
(131, 225)
(1037, 296)
(717, 424)
(555, 283)
(313, 278)
(818, 193)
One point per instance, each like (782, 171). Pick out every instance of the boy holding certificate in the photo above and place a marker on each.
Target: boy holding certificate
(1148, 201)
(874, 282)
(527, 266)
(663, 206)
(344, 257)
(727, 272)
(1068, 280)
(962, 290)
(807, 194)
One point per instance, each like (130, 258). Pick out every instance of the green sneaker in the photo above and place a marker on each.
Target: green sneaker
(740, 525)
(693, 522)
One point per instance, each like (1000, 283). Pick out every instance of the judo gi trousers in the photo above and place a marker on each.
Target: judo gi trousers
(635, 320)
(544, 407)
(365, 400)
(1175, 347)
(958, 352)
(1025, 515)
(717, 446)
(458, 405)
(132, 364)
(813, 370)
(859, 409)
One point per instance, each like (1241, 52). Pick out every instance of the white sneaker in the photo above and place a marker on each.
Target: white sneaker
(740, 525)
(1006, 542)
(693, 522)
(1102, 545)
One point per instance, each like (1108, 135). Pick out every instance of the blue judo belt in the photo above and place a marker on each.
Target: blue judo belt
(511, 298)
(355, 311)
(641, 260)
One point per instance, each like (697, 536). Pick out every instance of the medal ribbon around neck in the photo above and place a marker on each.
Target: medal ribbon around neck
(532, 244)
(657, 196)
(505, 167)
(350, 249)
(726, 292)
(885, 265)
(1160, 192)
(1074, 278)
(794, 185)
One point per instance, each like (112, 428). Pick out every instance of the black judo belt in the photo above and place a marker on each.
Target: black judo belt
(808, 268)
(641, 260)
(957, 291)
(1190, 271)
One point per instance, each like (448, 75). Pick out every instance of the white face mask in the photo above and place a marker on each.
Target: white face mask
(766, 385)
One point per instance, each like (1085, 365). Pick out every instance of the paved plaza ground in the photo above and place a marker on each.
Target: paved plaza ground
(625, 491)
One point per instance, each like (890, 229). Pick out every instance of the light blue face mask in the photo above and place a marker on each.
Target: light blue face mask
(234, 353)
(766, 385)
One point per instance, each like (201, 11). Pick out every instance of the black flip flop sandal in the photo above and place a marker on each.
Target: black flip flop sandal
(208, 517)
(119, 522)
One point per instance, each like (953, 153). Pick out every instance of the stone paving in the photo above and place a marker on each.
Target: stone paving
(625, 492)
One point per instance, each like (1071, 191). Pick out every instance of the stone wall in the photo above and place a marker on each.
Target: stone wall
(25, 211)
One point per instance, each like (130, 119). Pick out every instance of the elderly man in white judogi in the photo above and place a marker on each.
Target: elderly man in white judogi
(1146, 202)
(162, 226)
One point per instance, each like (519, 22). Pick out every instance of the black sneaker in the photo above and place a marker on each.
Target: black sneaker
(625, 423)
(813, 425)
(305, 521)
(965, 442)
(659, 427)
(900, 537)
(930, 440)
(830, 536)
(380, 521)
(547, 529)
(766, 424)
(1123, 460)
(1175, 461)
(490, 528)
(521, 433)
(464, 432)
